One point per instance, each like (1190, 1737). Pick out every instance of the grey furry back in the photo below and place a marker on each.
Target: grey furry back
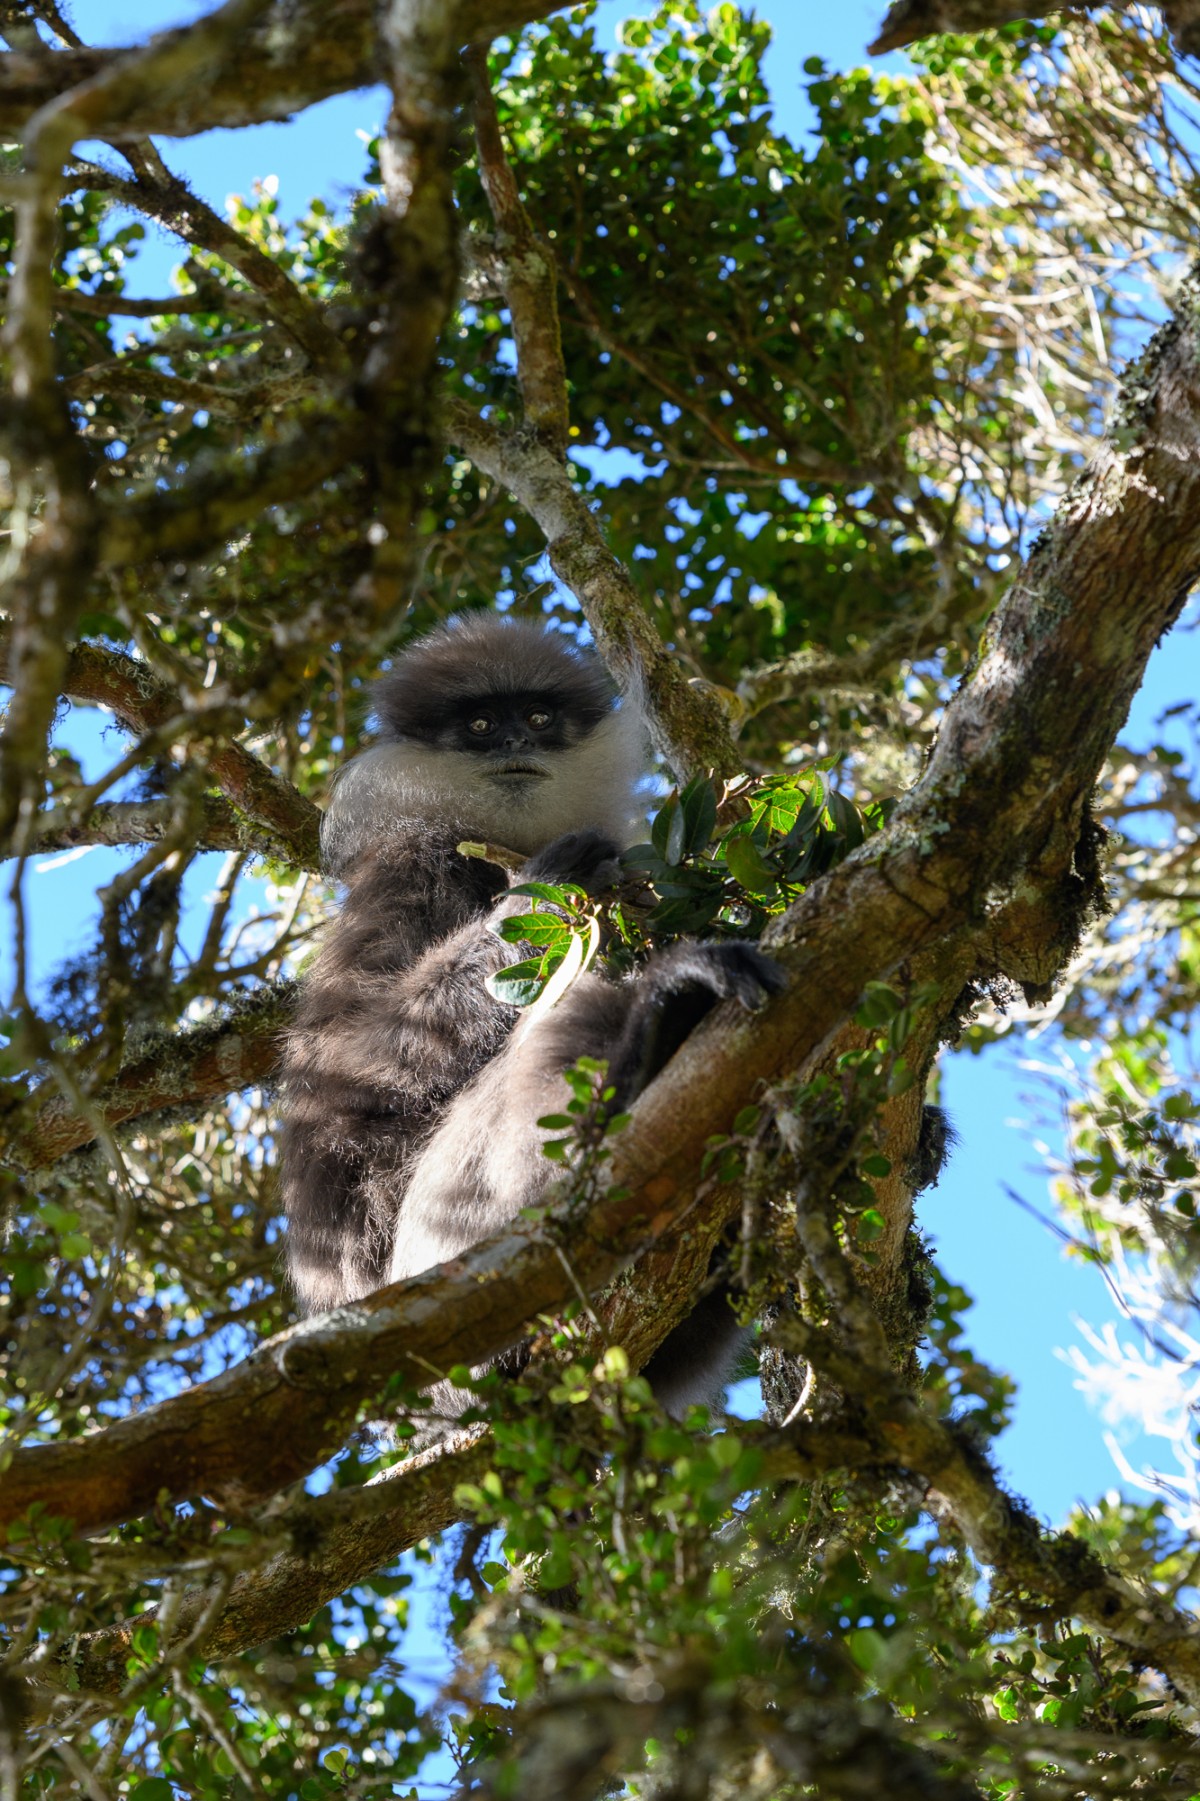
(393, 1018)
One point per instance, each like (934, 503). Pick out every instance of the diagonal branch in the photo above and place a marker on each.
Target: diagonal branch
(690, 726)
(236, 1049)
(329, 1544)
(167, 198)
(527, 273)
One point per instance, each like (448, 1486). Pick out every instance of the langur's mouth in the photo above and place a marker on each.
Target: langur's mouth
(519, 769)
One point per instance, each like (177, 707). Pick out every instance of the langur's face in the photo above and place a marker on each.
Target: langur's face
(517, 736)
(500, 733)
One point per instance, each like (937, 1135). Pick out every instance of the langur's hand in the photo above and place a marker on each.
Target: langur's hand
(587, 857)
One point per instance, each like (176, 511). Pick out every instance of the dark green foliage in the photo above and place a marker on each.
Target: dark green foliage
(791, 829)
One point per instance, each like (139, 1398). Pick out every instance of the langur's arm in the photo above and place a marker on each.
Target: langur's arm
(431, 1012)
(393, 1021)
(677, 989)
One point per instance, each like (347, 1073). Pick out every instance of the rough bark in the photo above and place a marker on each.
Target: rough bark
(143, 822)
(288, 58)
(237, 1049)
(328, 1544)
(908, 20)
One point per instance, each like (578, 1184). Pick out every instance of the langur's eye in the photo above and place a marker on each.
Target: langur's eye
(480, 725)
(539, 719)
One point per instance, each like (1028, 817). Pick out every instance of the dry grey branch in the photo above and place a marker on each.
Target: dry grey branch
(690, 726)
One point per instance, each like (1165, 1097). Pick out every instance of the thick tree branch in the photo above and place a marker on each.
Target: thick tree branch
(103, 101)
(338, 1539)
(690, 727)
(275, 74)
(144, 822)
(908, 20)
(298, 54)
(329, 1544)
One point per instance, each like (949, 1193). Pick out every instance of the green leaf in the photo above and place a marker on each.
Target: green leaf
(519, 985)
(668, 832)
(660, 828)
(559, 894)
(563, 967)
(746, 864)
(698, 803)
(535, 928)
(878, 1006)
(846, 821)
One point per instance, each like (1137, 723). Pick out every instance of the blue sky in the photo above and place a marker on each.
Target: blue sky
(1026, 1291)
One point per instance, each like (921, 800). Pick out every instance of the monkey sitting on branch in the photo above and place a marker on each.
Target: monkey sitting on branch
(412, 1094)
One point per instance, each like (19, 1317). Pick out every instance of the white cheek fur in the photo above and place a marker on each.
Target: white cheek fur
(407, 780)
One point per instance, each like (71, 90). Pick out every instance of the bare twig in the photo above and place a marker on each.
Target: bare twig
(527, 271)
